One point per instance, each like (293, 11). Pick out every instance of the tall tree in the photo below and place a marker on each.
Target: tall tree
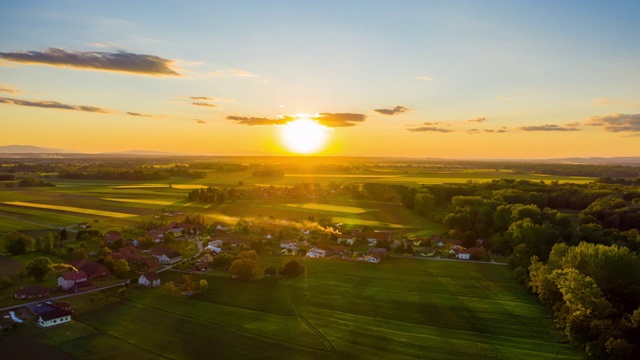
(38, 268)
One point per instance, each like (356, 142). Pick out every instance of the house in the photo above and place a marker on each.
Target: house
(291, 251)
(32, 292)
(166, 256)
(216, 243)
(70, 280)
(112, 236)
(456, 245)
(346, 240)
(316, 253)
(464, 255)
(201, 266)
(55, 316)
(149, 279)
(213, 248)
(418, 241)
(372, 258)
(381, 253)
(476, 253)
(91, 268)
(206, 257)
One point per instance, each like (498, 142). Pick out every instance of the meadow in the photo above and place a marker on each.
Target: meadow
(400, 309)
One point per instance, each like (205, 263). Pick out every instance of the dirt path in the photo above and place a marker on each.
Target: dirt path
(333, 354)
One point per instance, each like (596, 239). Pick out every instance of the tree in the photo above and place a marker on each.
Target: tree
(17, 243)
(121, 268)
(245, 268)
(38, 268)
(292, 269)
(270, 271)
(63, 234)
(203, 285)
(5, 282)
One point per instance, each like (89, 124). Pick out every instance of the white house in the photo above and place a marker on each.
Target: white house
(54, 317)
(346, 240)
(371, 258)
(464, 255)
(316, 253)
(149, 279)
(216, 243)
(68, 280)
(212, 248)
(166, 256)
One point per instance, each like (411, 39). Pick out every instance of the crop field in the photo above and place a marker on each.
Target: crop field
(331, 208)
(400, 309)
(70, 209)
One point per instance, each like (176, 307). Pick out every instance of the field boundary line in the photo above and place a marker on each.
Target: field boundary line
(333, 354)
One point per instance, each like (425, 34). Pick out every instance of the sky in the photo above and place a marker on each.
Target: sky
(446, 79)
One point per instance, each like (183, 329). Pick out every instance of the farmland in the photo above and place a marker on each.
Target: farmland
(408, 309)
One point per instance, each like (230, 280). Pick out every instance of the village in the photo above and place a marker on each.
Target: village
(192, 246)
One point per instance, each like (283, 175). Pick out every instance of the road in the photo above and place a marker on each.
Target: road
(64, 296)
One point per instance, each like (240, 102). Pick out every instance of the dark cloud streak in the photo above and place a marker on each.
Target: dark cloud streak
(395, 111)
(616, 122)
(119, 62)
(55, 105)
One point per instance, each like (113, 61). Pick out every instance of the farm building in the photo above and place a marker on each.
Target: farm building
(166, 256)
(91, 268)
(149, 279)
(32, 292)
(55, 316)
(69, 280)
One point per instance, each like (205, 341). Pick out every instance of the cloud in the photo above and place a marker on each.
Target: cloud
(8, 89)
(326, 119)
(203, 104)
(141, 115)
(257, 121)
(200, 121)
(395, 111)
(210, 98)
(435, 123)
(429, 129)
(121, 61)
(615, 102)
(616, 122)
(55, 105)
(424, 78)
(547, 127)
(478, 131)
(233, 73)
(478, 120)
(340, 119)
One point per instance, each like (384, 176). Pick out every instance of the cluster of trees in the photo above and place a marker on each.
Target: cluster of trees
(246, 266)
(613, 212)
(209, 195)
(594, 291)
(139, 174)
(33, 182)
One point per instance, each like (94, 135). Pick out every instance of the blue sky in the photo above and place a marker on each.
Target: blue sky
(476, 79)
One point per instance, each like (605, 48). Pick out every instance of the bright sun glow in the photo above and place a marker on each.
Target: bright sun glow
(304, 136)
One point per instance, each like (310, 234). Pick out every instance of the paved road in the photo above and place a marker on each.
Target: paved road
(63, 296)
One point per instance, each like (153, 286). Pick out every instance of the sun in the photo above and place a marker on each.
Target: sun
(304, 136)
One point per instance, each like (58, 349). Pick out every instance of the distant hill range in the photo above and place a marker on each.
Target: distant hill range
(21, 151)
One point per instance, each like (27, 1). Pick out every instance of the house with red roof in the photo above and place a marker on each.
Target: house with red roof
(149, 279)
(91, 268)
(165, 255)
(70, 280)
(112, 236)
(32, 292)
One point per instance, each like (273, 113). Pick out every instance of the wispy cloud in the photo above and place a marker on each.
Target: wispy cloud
(616, 122)
(258, 121)
(430, 129)
(435, 123)
(141, 115)
(210, 98)
(340, 119)
(395, 111)
(8, 89)
(123, 62)
(615, 102)
(548, 127)
(203, 104)
(478, 120)
(424, 78)
(54, 105)
(478, 131)
(332, 120)
(200, 121)
(233, 73)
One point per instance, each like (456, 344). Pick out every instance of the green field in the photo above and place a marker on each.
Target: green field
(400, 309)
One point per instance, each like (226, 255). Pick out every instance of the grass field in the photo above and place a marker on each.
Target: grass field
(70, 209)
(399, 309)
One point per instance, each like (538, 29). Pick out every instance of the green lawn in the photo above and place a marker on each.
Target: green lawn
(400, 309)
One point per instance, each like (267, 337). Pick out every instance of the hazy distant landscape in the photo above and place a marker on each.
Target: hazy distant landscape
(320, 180)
